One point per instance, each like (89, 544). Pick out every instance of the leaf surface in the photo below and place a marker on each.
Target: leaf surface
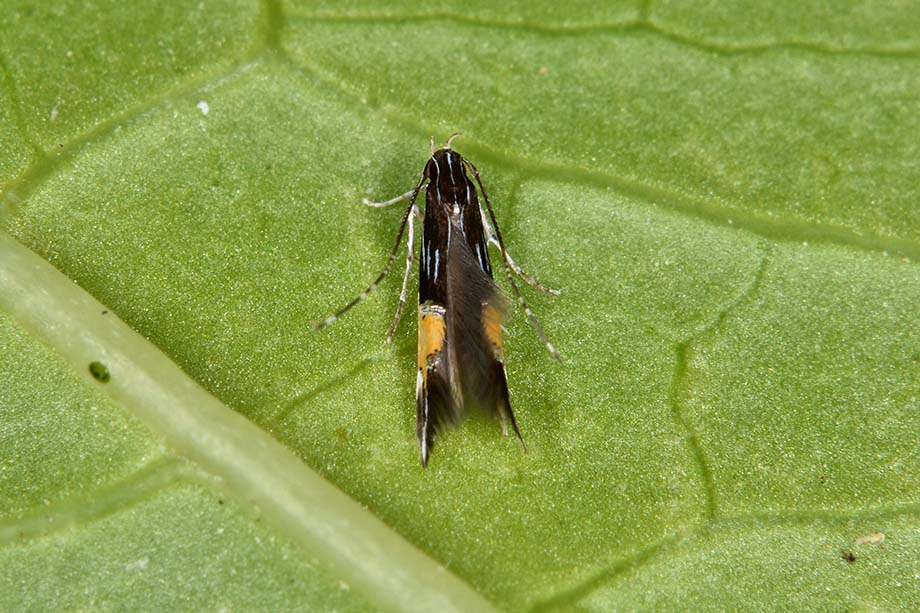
(726, 197)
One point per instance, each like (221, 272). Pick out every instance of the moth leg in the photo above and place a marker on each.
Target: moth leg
(490, 236)
(412, 195)
(507, 266)
(409, 254)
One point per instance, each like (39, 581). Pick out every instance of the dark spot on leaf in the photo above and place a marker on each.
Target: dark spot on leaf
(341, 434)
(105, 312)
(849, 556)
(220, 501)
(99, 371)
(822, 478)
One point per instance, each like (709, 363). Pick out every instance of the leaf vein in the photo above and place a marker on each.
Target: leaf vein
(785, 230)
(640, 25)
(92, 506)
(9, 84)
(45, 166)
(680, 385)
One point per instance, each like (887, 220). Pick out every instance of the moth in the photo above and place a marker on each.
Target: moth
(461, 363)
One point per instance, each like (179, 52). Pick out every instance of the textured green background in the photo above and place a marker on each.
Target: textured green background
(727, 197)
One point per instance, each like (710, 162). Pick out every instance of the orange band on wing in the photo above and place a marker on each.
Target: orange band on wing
(492, 323)
(431, 332)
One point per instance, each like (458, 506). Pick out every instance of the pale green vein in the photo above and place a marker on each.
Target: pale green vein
(645, 11)
(269, 27)
(565, 600)
(325, 387)
(271, 23)
(253, 467)
(800, 46)
(467, 20)
(760, 224)
(711, 528)
(711, 327)
(819, 516)
(9, 85)
(48, 165)
(676, 400)
(638, 26)
(79, 510)
(716, 213)
(677, 394)
(680, 383)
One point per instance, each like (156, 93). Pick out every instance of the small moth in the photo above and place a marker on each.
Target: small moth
(460, 308)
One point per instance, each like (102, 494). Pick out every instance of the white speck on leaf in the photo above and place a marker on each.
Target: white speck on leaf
(138, 564)
(54, 113)
(873, 538)
(203, 107)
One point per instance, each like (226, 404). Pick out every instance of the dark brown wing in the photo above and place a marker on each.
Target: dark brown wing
(476, 307)
(439, 402)
(461, 364)
(474, 234)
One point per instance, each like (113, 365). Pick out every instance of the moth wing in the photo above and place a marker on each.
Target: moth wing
(439, 401)
(496, 396)
(477, 306)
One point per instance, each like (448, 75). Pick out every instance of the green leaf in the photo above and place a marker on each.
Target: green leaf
(725, 196)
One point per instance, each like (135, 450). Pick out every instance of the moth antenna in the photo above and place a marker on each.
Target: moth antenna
(451, 138)
(507, 266)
